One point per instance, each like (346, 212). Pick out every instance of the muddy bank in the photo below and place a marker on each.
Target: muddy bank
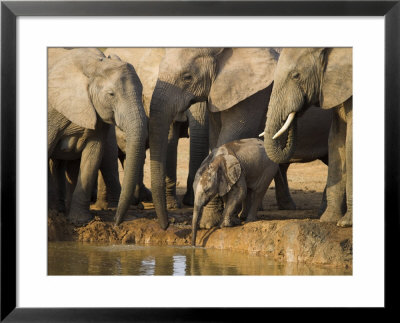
(300, 239)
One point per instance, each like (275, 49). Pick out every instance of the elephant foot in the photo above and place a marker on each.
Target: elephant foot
(211, 217)
(145, 194)
(322, 209)
(287, 204)
(138, 206)
(61, 207)
(330, 216)
(346, 220)
(323, 206)
(173, 203)
(100, 205)
(230, 222)
(251, 219)
(188, 198)
(79, 218)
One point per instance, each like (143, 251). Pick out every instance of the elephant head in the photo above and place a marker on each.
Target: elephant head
(216, 176)
(87, 88)
(221, 76)
(304, 77)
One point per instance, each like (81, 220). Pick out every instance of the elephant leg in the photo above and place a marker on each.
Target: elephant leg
(57, 169)
(101, 198)
(282, 193)
(170, 180)
(347, 219)
(71, 174)
(89, 166)
(233, 200)
(323, 205)
(214, 129)
(198, 126)
(255, 201)
(141, 193)
(56, 197)
(51, 187)
(244, 213)
(336, 181)
(108, 185)
(144, 193)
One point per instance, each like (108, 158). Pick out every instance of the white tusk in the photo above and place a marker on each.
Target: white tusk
(285, 126)
(262, 134)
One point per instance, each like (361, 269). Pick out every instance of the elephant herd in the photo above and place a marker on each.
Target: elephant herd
(115, 104)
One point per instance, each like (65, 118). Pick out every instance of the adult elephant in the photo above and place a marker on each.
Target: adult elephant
(86, 93)
(306, 76)
(194, 121)
(235, 82)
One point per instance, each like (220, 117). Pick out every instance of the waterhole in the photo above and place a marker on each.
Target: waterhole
(76, 258)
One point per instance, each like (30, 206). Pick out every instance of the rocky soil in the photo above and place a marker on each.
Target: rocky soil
(293, 236)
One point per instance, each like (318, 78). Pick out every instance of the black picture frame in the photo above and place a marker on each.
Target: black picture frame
(10, 10)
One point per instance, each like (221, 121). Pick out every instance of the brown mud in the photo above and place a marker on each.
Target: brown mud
(292, 236)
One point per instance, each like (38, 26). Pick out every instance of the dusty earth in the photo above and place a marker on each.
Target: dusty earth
(294, 236)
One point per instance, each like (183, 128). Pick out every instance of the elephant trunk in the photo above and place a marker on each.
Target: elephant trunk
(159, 126)
(134, 124)
(280, 130)
(195, 221)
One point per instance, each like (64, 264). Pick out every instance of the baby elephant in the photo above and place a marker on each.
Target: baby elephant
(239, 172)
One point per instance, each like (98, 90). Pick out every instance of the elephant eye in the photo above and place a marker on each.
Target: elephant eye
(187, 77)
(110, 93)
(295, 75)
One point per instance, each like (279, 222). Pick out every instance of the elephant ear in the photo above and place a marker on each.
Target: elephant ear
(337, 81)
(148, 73)
(54, 54)
(229, 173)
(68, 92)
(242, 72)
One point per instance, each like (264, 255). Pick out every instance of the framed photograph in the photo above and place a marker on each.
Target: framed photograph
(48, 270)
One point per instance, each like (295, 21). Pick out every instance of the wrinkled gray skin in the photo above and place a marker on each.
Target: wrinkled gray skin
(236, 84)
(194, 120)
(322, 76)
(87, 93)
(109, 168)
(239, 172)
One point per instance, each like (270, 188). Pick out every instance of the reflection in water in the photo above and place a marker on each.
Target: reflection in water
(147, 266)
(75, 258)
(179, 265)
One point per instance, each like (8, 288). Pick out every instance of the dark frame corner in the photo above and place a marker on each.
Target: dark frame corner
(10, 10)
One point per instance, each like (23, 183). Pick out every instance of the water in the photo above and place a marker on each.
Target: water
(76, 258)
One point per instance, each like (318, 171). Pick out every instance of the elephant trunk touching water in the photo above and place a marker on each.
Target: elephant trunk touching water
(162, 113)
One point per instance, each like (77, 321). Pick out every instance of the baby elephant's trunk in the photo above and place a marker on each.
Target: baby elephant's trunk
(196, 218)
